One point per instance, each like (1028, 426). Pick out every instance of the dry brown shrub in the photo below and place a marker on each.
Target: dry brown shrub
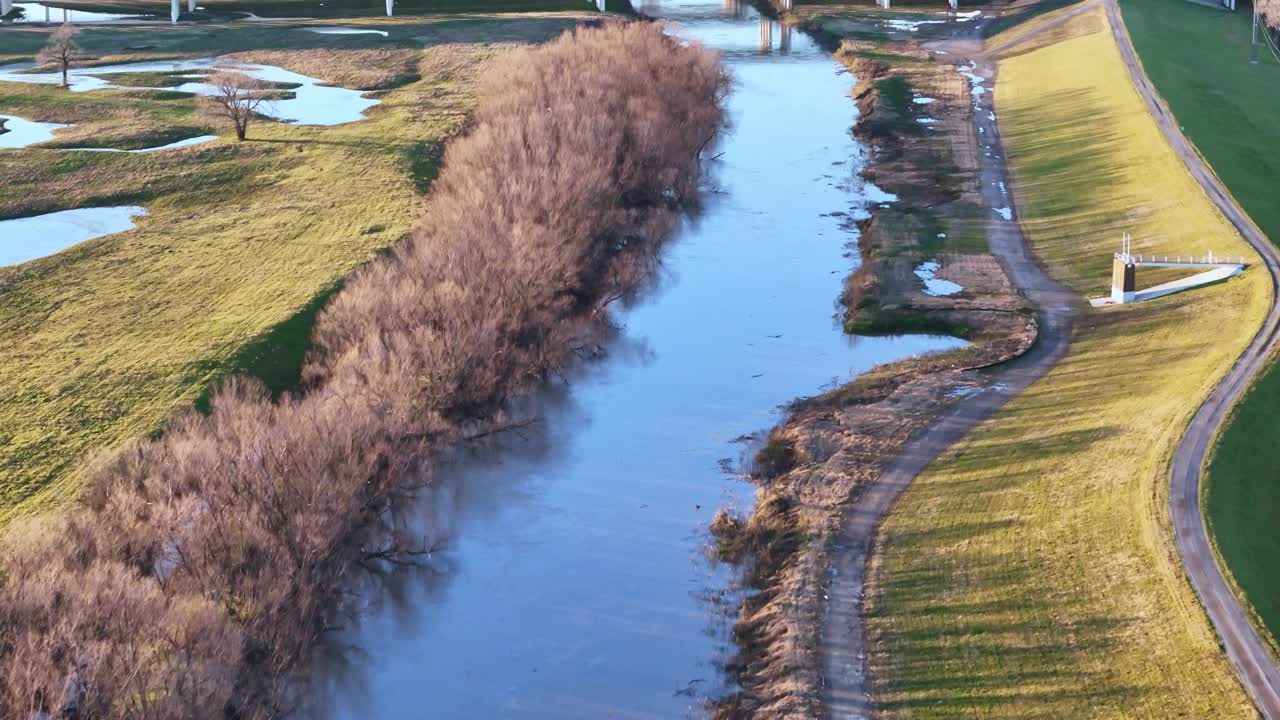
(200, 569)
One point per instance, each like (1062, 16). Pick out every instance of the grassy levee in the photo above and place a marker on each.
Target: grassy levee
(242, 242)
(1198, 58)
(1030, 571)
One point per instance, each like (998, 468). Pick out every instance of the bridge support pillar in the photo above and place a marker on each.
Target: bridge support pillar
(1123, 280)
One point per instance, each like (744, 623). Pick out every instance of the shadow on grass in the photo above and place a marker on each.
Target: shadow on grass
(277, 357)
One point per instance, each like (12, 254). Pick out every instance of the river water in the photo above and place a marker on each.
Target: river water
(575, 583)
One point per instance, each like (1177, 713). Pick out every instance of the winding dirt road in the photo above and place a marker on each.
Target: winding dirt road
(846, 690)
(1254, 665)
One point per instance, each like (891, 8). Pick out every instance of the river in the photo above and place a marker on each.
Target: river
(575, 583)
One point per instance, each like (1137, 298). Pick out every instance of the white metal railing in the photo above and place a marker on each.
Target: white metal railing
(1210, 259)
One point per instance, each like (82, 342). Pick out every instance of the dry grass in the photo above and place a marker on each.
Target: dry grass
(361, 69)
(1030, 572)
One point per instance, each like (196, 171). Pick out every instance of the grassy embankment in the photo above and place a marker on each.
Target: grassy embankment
(1198, 59)
(1030, 571)
(242, 243)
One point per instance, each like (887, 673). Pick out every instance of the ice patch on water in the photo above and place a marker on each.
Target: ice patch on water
(29, 238)
(933, 285)
(923, 100)
(926, 121)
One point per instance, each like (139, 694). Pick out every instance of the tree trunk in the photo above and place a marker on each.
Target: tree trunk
(65, 85)
(242, 129)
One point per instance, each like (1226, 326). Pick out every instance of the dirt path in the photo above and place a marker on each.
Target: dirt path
(843, 643)
(1248, 652)
(846, 687)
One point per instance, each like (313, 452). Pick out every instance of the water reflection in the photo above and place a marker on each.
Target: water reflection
(575, 585)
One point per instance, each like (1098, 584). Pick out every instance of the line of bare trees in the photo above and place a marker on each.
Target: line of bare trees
(198, 572)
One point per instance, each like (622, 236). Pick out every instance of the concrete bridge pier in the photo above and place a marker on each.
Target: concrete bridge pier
(6, 6)
(1124, 279)
(173, 11)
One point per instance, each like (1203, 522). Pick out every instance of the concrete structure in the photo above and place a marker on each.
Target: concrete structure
(173, 11)
(1124, 274)
(6, 6)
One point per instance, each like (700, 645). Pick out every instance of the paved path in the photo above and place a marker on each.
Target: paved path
(1248, 653)
(843, 640)
(845, 692)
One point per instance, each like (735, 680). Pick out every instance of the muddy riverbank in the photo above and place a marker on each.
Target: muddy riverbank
(827, 474)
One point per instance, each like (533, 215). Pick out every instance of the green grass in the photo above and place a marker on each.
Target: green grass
(1030, 571)
(1198, 58)
(242, 245)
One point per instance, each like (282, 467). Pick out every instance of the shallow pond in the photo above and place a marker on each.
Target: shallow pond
(312, 103)
(29, 238)
(575, 583)
(21, 133)
(189, 142)
(348, 31)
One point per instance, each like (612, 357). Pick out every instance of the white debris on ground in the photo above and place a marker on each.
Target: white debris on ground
(1004, 212)
(933, 285)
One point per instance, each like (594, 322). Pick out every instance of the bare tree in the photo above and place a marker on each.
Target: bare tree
(62, 50)
(237, 97)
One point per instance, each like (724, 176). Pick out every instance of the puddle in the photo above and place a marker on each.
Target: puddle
(976, 81)
(347, 31)
(21, 133)
(312, 103)
(934, 286)
(29, 238)
(189, 142)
